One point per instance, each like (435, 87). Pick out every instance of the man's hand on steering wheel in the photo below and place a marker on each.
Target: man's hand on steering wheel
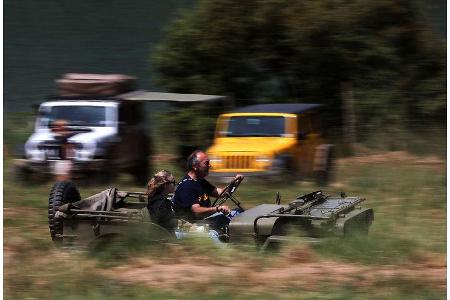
(239, 176)
(223, 209)
(224, 193)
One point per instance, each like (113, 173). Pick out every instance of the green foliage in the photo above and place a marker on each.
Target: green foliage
(191, 127)
(305, 50)
(17, 128)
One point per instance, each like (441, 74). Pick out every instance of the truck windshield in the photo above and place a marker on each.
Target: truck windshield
(255, 126)
(74, 115)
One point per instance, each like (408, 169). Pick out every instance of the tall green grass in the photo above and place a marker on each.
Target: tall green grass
(409, 201)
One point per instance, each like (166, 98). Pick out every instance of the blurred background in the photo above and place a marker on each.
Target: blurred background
(379, 67)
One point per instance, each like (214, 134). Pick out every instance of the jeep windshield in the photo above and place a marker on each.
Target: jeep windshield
(255, 126)
(75, 115)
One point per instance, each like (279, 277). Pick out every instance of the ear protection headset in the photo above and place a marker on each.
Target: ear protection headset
(192, 160)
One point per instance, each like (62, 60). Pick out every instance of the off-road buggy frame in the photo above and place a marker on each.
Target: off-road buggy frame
(105, 214)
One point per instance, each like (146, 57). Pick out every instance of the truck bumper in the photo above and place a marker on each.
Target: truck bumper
(47, 167)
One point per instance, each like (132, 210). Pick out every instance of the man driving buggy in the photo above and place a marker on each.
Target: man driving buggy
(191, 199)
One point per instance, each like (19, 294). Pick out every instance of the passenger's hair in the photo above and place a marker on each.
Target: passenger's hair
(192, 159)
(155, 185)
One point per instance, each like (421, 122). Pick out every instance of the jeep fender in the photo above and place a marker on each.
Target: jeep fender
(356, 220)
(322, 156)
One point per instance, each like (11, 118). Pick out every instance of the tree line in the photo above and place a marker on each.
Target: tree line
(380, 53)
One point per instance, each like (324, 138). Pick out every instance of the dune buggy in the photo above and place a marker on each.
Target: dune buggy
(104, 214)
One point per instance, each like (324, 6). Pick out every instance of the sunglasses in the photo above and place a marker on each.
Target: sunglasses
(172, 182)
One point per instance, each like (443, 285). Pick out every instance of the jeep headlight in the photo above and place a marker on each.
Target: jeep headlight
(263, 159)
(215, 159)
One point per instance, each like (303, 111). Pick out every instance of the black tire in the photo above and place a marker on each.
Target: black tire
(62, 192)
(141, 172)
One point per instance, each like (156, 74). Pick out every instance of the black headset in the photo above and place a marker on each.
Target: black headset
(192, 160)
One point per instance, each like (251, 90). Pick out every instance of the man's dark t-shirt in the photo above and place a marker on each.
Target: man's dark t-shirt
(190, 192)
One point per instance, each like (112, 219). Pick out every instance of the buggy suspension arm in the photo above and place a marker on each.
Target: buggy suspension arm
(104, 214)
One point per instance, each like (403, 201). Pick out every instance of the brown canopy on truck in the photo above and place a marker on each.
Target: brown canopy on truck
(120, 87)
(75, 84)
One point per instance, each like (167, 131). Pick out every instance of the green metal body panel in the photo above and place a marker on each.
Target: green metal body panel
(358, 219)
(108, 212)
(242, 226)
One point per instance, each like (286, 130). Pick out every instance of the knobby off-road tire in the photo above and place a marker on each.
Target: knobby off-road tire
(62, 192)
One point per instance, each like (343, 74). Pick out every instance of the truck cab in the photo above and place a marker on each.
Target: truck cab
(107, 134)
(271, 139)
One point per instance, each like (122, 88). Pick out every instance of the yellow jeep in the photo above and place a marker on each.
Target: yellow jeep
(271, 139)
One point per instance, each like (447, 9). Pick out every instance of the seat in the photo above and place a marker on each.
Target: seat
(103, 201)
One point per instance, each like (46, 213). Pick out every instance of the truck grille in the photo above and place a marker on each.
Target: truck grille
(239, 162)
(51, 152)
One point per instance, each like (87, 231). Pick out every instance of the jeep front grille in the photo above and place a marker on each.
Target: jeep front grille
(238, 162)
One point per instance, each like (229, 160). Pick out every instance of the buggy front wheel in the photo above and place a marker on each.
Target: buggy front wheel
(62, 192)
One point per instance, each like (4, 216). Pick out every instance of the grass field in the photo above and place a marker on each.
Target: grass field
(403, 257)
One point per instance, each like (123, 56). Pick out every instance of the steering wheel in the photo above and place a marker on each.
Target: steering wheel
(228, 192)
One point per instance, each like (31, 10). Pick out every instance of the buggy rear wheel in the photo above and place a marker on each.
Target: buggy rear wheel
(62, 192)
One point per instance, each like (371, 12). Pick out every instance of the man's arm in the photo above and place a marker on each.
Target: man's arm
(198, 210)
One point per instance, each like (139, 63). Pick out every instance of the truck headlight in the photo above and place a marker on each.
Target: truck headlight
(78, 146)
(36, 155)
(84, 151)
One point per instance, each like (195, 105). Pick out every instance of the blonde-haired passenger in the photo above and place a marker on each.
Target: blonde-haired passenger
(159, 207)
